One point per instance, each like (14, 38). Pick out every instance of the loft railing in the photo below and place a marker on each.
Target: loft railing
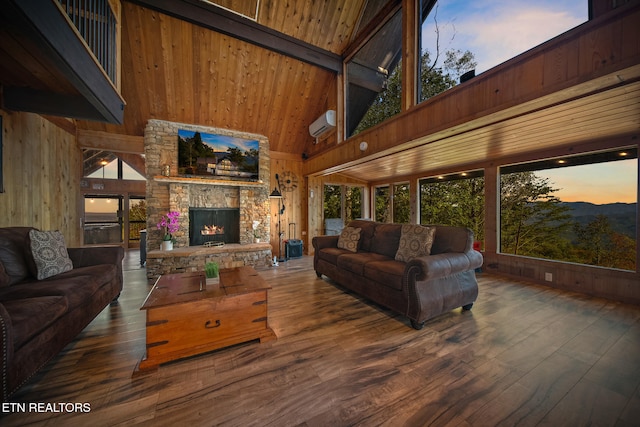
(97, 24)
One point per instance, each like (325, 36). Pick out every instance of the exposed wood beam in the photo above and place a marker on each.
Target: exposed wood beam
(42, 22)
(63, 123)
(231, 24)
(116, 143)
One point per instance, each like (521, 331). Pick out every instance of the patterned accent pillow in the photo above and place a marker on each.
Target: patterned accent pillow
(415, 241)
(49, 253)
(349, 238)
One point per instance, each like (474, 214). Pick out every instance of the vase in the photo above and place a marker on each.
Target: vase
(166, 245)
(257, 240)
(212, 281)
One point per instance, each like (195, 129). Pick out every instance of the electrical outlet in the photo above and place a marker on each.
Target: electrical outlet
(548, 277)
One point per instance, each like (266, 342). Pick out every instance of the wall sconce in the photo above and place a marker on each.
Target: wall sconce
(363, 146)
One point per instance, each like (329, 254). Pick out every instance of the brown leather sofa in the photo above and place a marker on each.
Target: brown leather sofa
(421, 288)
(38, 318)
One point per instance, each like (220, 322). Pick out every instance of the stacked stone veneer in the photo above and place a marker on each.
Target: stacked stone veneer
(174, 193)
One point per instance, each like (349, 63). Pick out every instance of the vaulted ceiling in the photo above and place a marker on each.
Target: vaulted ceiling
(175, 70)
(270, 66)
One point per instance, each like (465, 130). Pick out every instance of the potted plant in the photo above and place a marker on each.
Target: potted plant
(211, 270)
(169, 225)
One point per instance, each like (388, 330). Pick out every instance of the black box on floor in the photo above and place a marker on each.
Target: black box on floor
(293, 248)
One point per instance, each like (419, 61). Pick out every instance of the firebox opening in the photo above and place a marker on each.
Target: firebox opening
(220, 225)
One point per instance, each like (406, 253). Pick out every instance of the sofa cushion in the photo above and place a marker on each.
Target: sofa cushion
(386, 239)
(30, 316)
(49, 253)
(386, 272)
(355, 262)
(349, 238)
(331, 254)
(12, 258)
(77, 285)
(415, 241)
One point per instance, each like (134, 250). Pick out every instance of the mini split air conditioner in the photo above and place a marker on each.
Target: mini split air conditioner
(324, 123)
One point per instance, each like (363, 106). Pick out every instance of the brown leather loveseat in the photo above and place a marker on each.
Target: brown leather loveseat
(417, 271)
(39, 317)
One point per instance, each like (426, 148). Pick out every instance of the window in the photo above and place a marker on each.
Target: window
(469, 37)
(578, 209)
(456, 199)
(137, 217)
(353, 203)
(373, 86)
(332, 201)
(335, 204)
(401, 203)
(106, 165)
(103, 219)
(382, 200)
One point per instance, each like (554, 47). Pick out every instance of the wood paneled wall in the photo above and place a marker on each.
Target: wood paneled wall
(42, 170)
(288, 166)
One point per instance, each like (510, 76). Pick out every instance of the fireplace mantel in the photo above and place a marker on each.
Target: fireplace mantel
(175, 193)
(207, 181)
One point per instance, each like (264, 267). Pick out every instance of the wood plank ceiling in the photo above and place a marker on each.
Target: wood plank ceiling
(174, 70)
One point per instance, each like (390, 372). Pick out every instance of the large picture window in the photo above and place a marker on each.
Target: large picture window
(456, 199)
(461, 39)
(373, 82)
(578, 209)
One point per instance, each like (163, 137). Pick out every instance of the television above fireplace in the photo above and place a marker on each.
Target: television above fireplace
(217, 156)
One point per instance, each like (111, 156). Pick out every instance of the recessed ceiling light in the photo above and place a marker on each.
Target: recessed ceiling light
(623, 153)
(562, 162)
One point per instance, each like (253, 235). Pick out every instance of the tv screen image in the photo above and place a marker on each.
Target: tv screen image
(217, 156)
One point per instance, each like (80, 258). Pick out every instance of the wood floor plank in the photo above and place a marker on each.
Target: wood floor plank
(524, 355)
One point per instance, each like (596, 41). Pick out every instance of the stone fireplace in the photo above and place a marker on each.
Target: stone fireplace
(249, 200)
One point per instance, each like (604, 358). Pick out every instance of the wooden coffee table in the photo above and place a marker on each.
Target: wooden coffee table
(185, 317)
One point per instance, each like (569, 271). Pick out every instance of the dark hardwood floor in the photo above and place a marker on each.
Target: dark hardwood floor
(524, 355)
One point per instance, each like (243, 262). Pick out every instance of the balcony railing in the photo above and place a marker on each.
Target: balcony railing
(97, 24)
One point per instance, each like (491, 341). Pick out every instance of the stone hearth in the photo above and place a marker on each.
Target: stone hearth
(176, 193)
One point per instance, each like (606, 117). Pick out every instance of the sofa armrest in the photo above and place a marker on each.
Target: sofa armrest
(6, 351)
(321, 242)
(96, 255)
(446, 264)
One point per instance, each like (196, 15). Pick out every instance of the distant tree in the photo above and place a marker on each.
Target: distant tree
(353, 203)
(382, 204)
(401, 204)
(433, 80)
(236, 155)
(532, 220)
(623, 252)
(458, 202)
(138, 211)
(332, 201)
(189, 149)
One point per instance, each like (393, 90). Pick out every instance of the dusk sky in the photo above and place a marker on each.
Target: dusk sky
(496, 31)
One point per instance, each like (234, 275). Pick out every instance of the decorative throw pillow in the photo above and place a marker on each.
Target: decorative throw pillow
(49, 253)
(415, 241)
(349, 238)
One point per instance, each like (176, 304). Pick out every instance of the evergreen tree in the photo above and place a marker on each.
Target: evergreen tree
(532, 220)
(433, 80)
(457, 202)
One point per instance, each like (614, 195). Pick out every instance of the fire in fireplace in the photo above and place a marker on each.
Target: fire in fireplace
(220, 225)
